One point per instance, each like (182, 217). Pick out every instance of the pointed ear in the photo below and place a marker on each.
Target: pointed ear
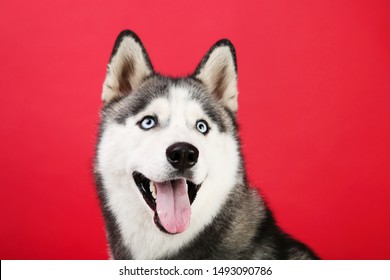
(218, 71)
(128, 67)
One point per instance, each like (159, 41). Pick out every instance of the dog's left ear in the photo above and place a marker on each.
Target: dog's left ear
(218, 71)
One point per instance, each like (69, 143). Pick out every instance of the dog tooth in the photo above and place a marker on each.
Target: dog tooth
(153, 189)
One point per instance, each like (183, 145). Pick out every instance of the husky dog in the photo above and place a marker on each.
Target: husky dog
(168, 166)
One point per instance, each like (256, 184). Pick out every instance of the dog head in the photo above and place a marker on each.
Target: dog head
(169, 144)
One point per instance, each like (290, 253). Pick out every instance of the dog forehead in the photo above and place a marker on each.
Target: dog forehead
(182, 100)
(162, 95)
(178, 104)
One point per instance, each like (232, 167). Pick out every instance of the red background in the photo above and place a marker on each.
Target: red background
(314, 111)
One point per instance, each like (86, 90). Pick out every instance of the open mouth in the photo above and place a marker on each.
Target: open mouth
(170, 200)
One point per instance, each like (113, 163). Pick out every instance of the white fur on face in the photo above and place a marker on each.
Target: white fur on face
(127, 148)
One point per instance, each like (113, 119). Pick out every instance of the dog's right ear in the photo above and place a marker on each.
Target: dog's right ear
(128, 67)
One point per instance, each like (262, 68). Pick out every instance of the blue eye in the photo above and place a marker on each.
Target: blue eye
(202, 126)
(147, 123)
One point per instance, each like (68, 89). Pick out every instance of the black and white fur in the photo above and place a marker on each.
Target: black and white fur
(229, 220)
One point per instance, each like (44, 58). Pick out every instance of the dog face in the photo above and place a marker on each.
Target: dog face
(168, 149)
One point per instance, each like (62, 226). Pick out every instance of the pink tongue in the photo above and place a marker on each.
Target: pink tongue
(173, 205)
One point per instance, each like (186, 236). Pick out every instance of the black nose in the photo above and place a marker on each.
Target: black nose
(182, 155)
